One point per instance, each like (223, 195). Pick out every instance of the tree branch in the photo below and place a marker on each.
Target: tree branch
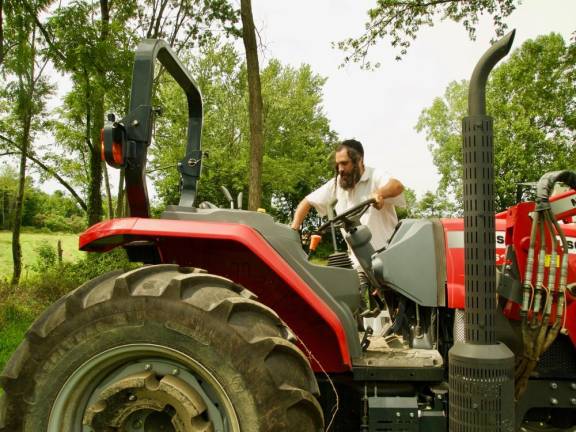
(45, 33)
(50, 171)
(1, 31)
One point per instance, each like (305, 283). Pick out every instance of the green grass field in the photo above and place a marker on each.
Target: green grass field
(30, 242)
(18, 307)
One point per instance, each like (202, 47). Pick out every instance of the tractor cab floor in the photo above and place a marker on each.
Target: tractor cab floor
(392, 352)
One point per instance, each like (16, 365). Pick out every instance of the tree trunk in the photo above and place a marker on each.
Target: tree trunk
(254, 106)
(26, 115)
(94, 193)
(120, 201)
(49, 170)
(108, 192)
(1, 32)
(23, 108)
(95, 186)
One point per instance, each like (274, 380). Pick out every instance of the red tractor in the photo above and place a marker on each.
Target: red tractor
(228, 326)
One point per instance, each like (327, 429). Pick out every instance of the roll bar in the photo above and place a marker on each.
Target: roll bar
(135, 130)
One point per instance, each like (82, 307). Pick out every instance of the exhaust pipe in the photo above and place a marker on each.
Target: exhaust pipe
(481, 371)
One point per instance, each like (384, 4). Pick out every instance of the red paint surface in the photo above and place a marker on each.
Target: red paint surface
(239, 253)
(455, 270)
(516, 223)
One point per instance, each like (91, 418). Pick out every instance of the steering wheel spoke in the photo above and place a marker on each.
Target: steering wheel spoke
(349, 218)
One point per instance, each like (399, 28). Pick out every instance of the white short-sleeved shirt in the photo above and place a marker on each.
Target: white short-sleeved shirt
(381, 222)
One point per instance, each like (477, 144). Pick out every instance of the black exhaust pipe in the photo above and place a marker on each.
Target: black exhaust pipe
(481, 371)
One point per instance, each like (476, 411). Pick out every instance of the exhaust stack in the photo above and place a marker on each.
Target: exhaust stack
(481, 371)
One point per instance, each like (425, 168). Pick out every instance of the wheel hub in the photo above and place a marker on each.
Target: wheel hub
(145, 402)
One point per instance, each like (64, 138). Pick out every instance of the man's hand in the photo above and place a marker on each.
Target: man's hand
(390, 190)
(378, 200)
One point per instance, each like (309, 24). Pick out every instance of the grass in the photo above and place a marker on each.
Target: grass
(30, 242)
(44, 281)
(20, 306)
(18, 309)
(14, 321)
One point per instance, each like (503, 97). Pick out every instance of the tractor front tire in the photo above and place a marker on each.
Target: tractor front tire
(159, 348)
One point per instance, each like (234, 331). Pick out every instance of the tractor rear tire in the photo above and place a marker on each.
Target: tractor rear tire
(159, 348)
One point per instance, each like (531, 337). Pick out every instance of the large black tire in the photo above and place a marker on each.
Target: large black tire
(102, 355)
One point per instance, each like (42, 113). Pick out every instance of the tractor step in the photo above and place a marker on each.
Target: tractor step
(387, 359)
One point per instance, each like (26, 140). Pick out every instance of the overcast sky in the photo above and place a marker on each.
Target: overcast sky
(381, 108)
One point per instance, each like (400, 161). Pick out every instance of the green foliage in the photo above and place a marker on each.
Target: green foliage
(297, 134)
(531, 98)
(46, 257)
(30, 242)
(408, 211)
(400, 21)
(17, 312)
(8, 188)
(434, 205)
(58, 279)
(20, 306)
(54, 212)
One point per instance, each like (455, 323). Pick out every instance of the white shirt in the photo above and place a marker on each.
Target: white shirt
(381, 222)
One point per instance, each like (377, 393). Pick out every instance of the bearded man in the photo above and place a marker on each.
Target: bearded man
(353, 184)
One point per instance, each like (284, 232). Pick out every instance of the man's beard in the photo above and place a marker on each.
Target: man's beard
(348, 181)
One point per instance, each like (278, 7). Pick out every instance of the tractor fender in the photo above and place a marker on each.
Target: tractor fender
(239, 252)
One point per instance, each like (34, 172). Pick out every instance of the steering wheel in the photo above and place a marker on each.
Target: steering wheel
(348, 218)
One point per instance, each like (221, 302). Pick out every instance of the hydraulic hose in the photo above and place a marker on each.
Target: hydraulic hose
(539, 287)
(537, 332)
(527, 285)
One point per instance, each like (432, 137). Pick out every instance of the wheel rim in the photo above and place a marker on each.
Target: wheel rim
(143, 388)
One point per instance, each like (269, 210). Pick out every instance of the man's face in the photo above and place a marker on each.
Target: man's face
(349, 171)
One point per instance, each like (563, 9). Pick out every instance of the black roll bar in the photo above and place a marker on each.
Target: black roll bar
(138, 125)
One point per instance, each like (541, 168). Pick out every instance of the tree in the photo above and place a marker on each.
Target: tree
(8, 187)
(400, 21)
(96, 52)
(433, 205)
(26, 91)
(531, 98)
(254, 105)
(297, 133)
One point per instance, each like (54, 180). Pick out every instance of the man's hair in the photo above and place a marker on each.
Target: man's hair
(355, 152)
(354, 148)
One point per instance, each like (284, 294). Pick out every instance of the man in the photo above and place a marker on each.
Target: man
(353, 184)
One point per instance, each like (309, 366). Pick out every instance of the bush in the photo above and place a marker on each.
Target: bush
(59, 279)
(59, 223)
(46, 257)
(21, 305)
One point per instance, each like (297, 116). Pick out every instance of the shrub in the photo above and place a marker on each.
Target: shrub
(59, 279)
(46, 257)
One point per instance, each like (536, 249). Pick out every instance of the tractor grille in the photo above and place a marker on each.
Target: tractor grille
(481, 388)
(559, 360)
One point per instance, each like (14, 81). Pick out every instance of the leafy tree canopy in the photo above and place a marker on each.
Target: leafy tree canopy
(400, 20)
(296, 132)
(532, 100)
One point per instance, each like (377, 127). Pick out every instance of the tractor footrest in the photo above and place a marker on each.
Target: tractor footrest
(381, 362)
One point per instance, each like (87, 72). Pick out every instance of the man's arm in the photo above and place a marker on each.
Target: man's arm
(300, 213)
(391, 189)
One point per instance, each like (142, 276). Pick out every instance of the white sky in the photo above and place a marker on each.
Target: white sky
(381, 108)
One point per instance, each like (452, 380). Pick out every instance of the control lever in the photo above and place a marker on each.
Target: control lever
(365, 343)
